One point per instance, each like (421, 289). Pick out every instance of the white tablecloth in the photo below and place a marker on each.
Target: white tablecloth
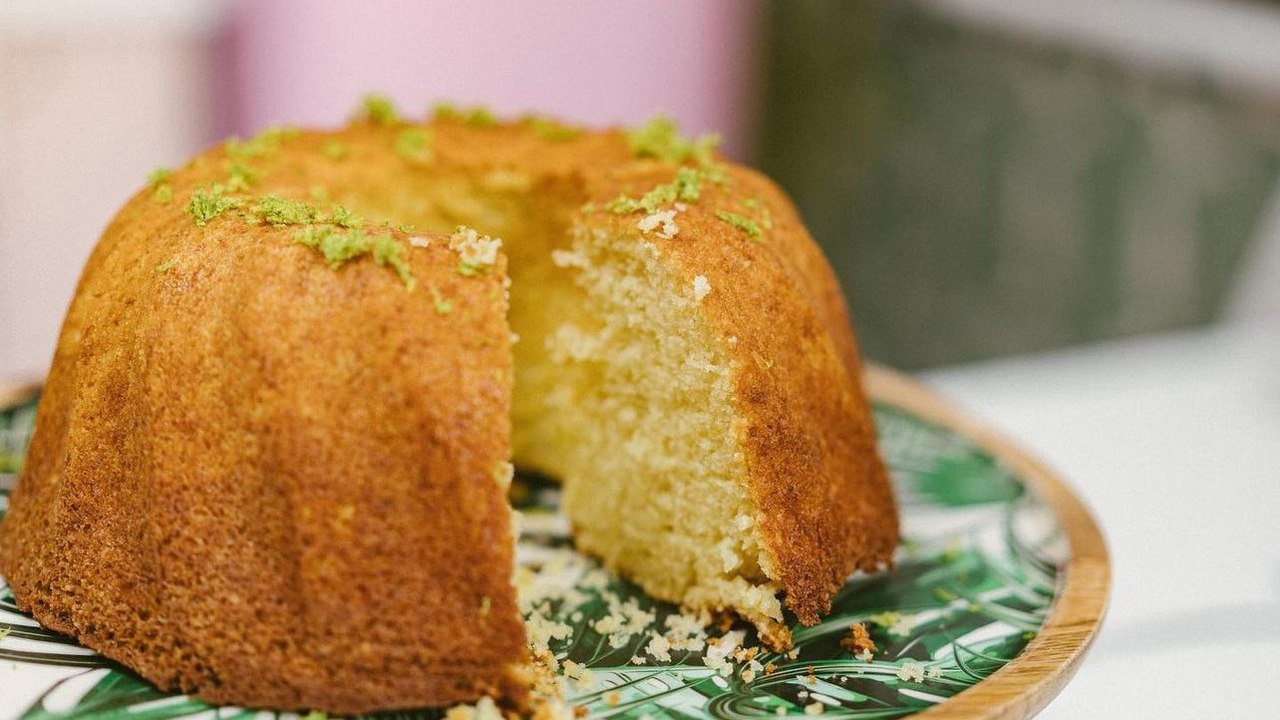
(1174, 442)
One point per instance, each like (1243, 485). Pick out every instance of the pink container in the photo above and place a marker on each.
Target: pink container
(303, 61)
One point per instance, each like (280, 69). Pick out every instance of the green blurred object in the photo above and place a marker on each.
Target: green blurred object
(982, 193)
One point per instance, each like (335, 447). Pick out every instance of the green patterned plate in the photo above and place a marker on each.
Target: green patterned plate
(999, 587)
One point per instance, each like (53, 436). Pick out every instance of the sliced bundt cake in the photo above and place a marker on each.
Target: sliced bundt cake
(271, 460)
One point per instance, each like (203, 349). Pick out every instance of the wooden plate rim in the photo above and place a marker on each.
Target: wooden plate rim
(1024, 686)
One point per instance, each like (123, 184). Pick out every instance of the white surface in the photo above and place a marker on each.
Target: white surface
(1174, 442)
(40, 19)
(88, 106)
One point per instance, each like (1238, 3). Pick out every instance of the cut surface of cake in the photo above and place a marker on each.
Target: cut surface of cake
(271, 461)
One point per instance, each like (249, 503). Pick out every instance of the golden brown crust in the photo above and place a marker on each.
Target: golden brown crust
(307, 521)
(271, 483)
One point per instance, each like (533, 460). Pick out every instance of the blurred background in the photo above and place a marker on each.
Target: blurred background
(988, 177)
(1065, 214)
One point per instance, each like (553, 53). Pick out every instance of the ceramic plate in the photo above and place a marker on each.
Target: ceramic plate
(999, 586)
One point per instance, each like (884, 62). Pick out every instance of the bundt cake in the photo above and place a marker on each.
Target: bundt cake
(271, 460)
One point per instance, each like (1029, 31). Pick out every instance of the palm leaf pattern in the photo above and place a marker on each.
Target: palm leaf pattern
(975, 578)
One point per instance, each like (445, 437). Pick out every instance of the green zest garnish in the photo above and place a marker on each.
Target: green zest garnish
(166, 266)
(378, 109)
(267, 141)
(278, 211)
(335, 150)
(686, 187)
(623, 205)
(414, 144)
(345, 218)
(481, 117)
(549, 129)
(241, 176)
(159, 179)
(766, 218)
(386, 251)
(443, 306)
(338, 248)
(478, 116)
(660, 138)
(208, 204)
(742, 222)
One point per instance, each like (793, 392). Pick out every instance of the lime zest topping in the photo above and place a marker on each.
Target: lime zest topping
(163, 194)
(623, 205)
(415, 144)
(345, 218)
(159, 176)
(386, 251)
(481, 117)
(766, 217)
(166, 266)
(241, 176)
(478, 116)
(686, 187)
(660, 138)
(378, 109)
(715, 173)
(443, 306)
(742, 222)
(267, 141)
(335, 150)
(278, 211)
(688, 184)
(338, 248)
(208, 204)
(333, 246)
(553, 130)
